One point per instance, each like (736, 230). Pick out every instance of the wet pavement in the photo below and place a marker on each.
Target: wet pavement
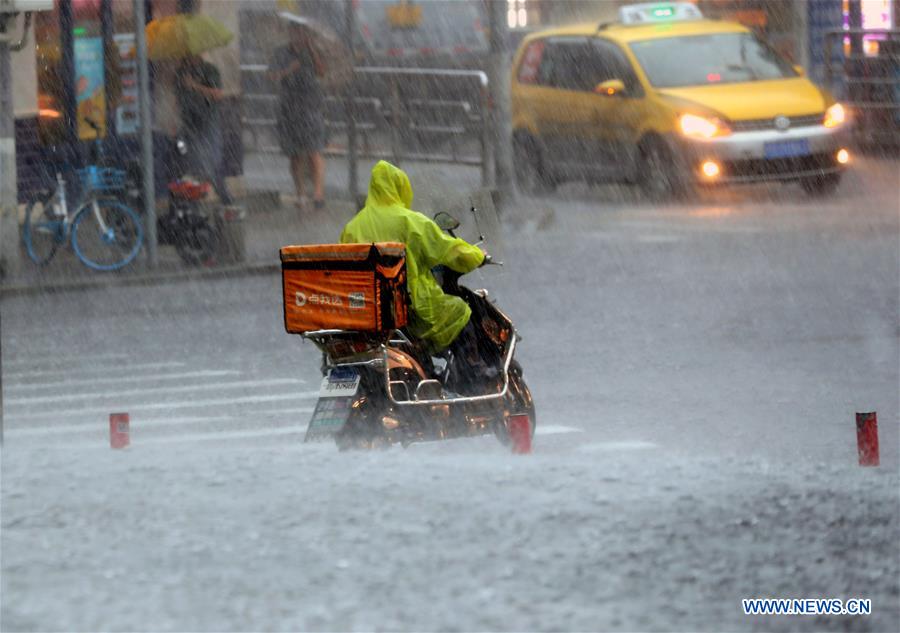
(696, 370)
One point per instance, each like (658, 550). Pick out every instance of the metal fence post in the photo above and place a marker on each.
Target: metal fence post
(501, 117)
(140, 21)
(484, 138)
(395, 120)
(9, 203)
(350, 102)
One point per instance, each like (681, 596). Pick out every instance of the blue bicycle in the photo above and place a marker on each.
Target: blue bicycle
(106, 234)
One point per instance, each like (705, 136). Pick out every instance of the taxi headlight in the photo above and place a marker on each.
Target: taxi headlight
(834, 116)
(702, 127)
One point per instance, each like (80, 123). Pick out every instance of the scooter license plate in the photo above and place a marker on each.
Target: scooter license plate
(340, 381)
(335, 403)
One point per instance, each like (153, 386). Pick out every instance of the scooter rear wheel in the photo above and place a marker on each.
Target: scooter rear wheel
(196, 241)
(518, 401)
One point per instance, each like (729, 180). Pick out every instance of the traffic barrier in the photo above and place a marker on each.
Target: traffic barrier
(119, 433)
(519, 427)
(867, 438)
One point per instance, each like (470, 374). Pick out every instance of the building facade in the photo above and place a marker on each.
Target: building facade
(79, 64)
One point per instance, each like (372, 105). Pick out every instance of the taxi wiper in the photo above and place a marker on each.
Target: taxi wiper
(742, 68)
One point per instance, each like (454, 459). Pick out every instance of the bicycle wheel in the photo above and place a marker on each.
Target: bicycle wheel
(106, 234)
(43, 231)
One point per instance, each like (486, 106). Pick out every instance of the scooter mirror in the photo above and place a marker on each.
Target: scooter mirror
(446, 221)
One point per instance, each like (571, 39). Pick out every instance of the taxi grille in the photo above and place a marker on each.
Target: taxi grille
(750, 125)
(778, 168)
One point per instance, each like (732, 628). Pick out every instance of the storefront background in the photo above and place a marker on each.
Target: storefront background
(82, 64)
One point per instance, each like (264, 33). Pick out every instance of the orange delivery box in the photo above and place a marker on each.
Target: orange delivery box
(358, 287)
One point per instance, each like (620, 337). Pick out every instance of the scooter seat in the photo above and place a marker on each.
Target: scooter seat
(189, 189)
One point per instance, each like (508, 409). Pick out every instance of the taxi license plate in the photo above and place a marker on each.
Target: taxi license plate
(786, 149)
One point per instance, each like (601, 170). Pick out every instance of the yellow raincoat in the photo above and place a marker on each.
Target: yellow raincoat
(437, 318)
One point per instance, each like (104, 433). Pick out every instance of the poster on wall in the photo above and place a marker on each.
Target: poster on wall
(90, 93)
(127, 109)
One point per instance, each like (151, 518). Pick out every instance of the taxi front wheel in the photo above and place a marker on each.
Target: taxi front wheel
(819, 186)
(661, 177)
(531, 175)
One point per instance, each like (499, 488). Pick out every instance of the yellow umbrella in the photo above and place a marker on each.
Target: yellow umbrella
(184, 34)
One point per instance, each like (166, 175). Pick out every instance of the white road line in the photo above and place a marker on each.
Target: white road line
(285, 410)
(658, 239)
(682, 225)
(624, 445)
(103, 425)
(226, 435)
(81, 371)
(104, 411)
(137, 424)
(62, 384)
(551, 429)
(182, 438)
(95, 395)
(54, 357)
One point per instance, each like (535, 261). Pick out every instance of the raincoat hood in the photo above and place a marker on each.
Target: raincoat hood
(389, 185)
(436, 318)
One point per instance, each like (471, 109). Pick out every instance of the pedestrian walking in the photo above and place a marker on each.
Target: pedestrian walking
(199, 94)
(297, 68)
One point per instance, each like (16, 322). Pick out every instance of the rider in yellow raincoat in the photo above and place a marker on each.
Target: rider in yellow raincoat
(437, 318)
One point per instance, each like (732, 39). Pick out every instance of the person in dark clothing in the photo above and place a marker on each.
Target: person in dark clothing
(199, 94)
(297, 68)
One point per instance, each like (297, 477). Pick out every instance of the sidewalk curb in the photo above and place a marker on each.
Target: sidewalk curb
(140, 279)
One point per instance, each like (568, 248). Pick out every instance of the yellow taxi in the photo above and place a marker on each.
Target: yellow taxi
(669, 100)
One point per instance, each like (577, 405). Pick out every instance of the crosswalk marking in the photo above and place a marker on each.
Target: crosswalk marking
(118, 370)
(118, 394)
(228, 435)
(137, 424)
(65, 383)
(617, 446)
(182, 404)
(36, 358)
(183, 438)
(100, 425)
(551, 429)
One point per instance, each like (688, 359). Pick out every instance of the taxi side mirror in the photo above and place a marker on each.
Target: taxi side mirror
(610, 88)
(799, 70)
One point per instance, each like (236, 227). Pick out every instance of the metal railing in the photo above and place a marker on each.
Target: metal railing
(868, 85)
(399, 114)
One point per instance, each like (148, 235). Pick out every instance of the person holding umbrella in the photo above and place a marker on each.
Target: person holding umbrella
(199, 94)
(297, 69)
(182, 38)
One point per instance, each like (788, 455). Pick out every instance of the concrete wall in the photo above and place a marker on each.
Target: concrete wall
(558, 13)
(24, 77)
(226, 59)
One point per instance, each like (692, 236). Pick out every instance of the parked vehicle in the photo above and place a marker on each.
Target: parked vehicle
(187, 223)
(106, 234)
(669, 100)
(380, 385)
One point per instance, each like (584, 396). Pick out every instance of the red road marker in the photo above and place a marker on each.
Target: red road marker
(867, 438)
(519, 427)
(119, 434)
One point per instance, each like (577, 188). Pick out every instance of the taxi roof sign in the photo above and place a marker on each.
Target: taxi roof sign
(650, 12)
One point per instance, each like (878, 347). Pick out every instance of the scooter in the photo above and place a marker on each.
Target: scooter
(382, 387)
(185, 224)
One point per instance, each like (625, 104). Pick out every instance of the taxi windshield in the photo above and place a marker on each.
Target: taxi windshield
(699, 60)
